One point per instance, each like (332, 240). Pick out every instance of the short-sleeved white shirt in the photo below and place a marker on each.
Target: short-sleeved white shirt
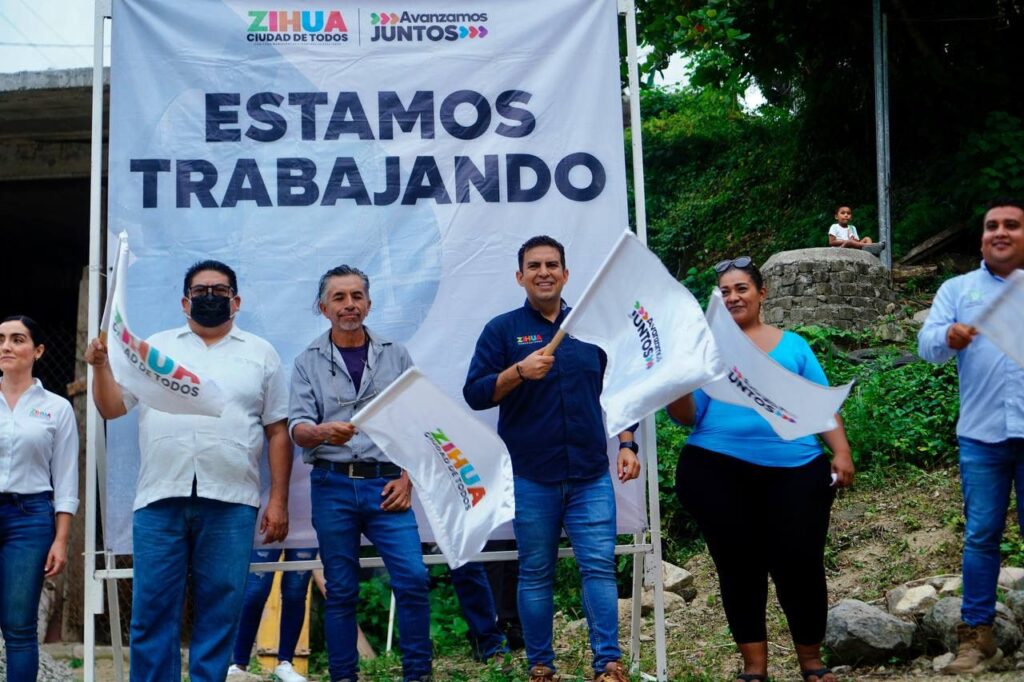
(221, 453)
(843, 233)
(39, 447)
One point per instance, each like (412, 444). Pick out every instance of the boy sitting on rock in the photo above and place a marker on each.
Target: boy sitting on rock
(844, 235)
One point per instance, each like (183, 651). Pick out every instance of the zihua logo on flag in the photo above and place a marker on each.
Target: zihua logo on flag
(433, 26)
(650, 346)
(742, 384)
(296, 26)
(150, 362)
(464, 477)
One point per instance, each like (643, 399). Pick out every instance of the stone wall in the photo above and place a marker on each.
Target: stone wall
(843, 288)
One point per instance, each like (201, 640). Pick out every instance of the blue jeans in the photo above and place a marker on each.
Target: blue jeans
(986, 472)
(294, 585)
(170, 537)
(477, 603)
(586, 510)
(26, 534)
(343, 508)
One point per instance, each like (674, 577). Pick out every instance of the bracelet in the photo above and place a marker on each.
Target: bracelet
(519, 371)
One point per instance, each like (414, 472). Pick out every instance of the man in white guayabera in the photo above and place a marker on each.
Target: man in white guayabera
(199, 484)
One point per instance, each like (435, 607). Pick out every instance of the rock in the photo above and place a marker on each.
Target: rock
(1011, 578)
(921, 315)
(675, 579)
(1015, 602)
(911, 601)
(859, 633)
(940, 662)
(673, 602)
(939, 626)
(49, 669)
(946, 585)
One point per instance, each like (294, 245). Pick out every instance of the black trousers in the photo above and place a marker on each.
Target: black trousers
(760, 521)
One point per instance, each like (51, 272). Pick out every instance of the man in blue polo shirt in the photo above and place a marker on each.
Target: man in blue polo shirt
(991, 424)
(550, 418)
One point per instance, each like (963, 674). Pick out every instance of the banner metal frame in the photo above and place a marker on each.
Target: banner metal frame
(646, 546)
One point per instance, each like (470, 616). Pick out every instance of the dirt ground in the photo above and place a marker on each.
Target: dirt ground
(884, 532)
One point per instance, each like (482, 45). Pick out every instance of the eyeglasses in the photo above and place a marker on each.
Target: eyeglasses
(222, 290)
(741, 262)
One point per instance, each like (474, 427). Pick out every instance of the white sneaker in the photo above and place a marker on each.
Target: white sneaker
(286, 673)
(236, 673)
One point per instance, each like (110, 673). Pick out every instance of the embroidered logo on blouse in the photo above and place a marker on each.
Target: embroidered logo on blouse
(40, 413)
(530, 339)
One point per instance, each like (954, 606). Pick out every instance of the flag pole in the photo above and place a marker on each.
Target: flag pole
(550, 348)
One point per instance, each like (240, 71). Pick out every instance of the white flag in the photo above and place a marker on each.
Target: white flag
(150, 375)
(459, 466)
(1002, 320)
(658, 343)
(792, 405)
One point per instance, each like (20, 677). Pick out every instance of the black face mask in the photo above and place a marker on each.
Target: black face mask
(211, 311)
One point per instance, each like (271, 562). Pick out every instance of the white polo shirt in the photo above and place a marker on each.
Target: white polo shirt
(39, 447)
(843, 233)
(221, 453)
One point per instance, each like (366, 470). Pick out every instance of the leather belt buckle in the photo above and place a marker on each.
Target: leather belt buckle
(352, 471)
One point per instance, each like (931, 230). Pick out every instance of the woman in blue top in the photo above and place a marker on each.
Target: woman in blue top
(762, 503)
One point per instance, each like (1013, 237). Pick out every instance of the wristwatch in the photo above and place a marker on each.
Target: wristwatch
(629, 445)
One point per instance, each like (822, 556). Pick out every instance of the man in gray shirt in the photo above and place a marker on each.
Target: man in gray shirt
(354, 488)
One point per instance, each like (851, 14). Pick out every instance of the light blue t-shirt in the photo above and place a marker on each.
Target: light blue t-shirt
(742, 433)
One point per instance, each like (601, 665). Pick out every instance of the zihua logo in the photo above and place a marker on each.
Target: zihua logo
(464, 477)
(743, 385)
(647, 333)
(432, 26)
(150, 362)
(296, 26)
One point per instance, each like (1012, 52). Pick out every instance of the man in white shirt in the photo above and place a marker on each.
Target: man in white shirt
(198, 489)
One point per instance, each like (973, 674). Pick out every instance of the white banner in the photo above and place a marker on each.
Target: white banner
(460, 469)
(1002, 320)
(658, 343)
(149, 374)
(423, 150)
(792, 405)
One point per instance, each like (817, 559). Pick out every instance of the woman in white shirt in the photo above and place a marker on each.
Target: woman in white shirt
(38, 490)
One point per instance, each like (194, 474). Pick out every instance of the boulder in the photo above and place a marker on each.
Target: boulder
(1011, 578)
(939, 626)
(911, 601)
(673, 602)
(1015, 602)
(675, 579)
(859, 633)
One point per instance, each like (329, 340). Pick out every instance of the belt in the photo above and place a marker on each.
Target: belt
(360, 469)
(14, 498)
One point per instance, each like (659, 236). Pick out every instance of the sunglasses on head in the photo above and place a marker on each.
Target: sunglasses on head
(741, 262)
